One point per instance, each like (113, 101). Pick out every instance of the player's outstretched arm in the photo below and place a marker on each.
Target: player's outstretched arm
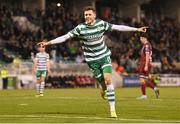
(128, 28)
(35, 66)
(60, 39)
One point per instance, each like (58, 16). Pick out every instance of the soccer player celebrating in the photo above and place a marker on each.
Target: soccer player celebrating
(96, 53)
(41, 66)
(145, 67)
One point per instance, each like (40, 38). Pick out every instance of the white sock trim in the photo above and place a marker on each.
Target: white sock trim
(110, 91)
(37, 88)
(42, 87)
(112, 107)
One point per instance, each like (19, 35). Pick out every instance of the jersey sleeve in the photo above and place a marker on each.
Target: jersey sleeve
(123, 28)
(147, 48)
(60, 39)
(36, 57)
(75, 32)
(107, 26)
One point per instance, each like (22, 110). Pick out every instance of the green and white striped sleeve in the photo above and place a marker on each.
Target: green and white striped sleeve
(107, 26)
(75, 32)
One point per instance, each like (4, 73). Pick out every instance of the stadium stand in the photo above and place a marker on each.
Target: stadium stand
(21, 30)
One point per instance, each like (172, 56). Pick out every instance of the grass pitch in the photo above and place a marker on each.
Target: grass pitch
(86, 106)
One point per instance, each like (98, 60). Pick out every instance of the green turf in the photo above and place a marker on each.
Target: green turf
(86, 105)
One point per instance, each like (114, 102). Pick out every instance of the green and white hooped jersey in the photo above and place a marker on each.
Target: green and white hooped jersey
(92, 39)
(42, 59)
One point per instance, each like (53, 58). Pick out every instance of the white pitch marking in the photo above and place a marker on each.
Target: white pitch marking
(23, 104)
(84, 117)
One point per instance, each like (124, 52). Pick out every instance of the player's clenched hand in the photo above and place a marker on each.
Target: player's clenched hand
(142, 29)
(43, 43)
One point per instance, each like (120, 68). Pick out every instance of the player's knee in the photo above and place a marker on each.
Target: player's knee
(107, 80)
(39, 81)
(42, 79)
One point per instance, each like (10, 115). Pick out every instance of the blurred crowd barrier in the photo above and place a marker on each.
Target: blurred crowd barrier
(61, 75)
(73, 75)
(165, 80)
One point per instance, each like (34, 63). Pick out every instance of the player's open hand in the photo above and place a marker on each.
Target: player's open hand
(143, 29)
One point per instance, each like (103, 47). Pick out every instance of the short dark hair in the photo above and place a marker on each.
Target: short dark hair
(146, 35)
(86, 8)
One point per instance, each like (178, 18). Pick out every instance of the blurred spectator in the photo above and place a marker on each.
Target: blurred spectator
(55, 21)
(167, 65)
(119, 68)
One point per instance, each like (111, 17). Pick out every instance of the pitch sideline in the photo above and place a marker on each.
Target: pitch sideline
(90, 117)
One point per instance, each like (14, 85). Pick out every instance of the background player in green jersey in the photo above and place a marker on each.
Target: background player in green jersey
(41, 66)
(96, 53)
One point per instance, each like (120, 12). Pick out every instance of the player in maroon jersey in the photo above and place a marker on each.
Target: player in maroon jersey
(145, 67)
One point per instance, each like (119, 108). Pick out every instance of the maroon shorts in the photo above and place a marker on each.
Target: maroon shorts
(142, 73)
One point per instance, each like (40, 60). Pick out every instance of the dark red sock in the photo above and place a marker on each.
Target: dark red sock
(143, 89)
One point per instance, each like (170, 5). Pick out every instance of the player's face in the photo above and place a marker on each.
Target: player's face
(89, 16)
(143, 40)
(41, 49)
